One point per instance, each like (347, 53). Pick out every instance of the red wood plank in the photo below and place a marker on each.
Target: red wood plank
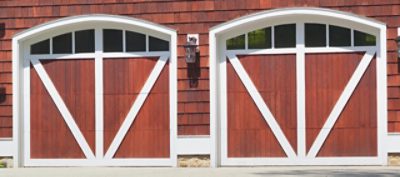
(149, 134)
(275, 79)
(248, 133)
(50, 136)
(326, 76)
(74, 81)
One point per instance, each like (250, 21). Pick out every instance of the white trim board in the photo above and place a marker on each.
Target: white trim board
(7, 148)
(393, 143)
(139, 162)
(21, 75)
(193, 145)
(219, 34)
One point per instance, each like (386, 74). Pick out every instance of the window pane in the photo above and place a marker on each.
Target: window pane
(112, 40)
(84, 41)
(339, 36)
(42, 47)
(260, 39)
(236, 43)
(315, 35)
(363, 39)
(156, 44)
(285, 36)
(62, 43)
(135, 41)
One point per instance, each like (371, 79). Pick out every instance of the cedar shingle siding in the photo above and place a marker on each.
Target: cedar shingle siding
(186, 17)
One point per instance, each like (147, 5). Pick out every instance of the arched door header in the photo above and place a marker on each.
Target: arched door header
(92, 18)
(297, 14)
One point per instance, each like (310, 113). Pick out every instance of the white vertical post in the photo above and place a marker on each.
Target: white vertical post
(221, 124)
(213, 99)
(300, 91)
(26, 132)
(99, 105)
(173, 87)
(381, 99)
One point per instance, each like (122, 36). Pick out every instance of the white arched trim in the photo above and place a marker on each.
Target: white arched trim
(22, 40)
(218, 55)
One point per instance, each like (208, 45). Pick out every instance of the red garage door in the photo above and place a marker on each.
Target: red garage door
(98, 96)
(299, 93)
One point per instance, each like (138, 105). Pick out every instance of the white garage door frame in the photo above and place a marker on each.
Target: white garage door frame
(219, 34)
(22, 59)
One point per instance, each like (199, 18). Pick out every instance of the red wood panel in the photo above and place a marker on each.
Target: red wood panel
(248, 133)
(74, 81)
(149, 133)
(50, 136)
(275, 79)
(326, 77)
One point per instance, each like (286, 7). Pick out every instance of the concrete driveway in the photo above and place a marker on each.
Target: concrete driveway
(364, 171)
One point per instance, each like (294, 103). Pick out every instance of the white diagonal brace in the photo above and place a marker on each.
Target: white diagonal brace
(140, 99)
(341, 103)
(259, 101)
(58, 101)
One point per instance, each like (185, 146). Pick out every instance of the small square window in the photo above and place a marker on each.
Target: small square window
(315, 35)
(339, 36)
(62, 44)
(135, 41)
(260, 39)
(84, 41)
(285, 36)
(112, 40)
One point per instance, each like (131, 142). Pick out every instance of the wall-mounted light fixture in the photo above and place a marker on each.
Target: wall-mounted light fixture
(191, 48)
